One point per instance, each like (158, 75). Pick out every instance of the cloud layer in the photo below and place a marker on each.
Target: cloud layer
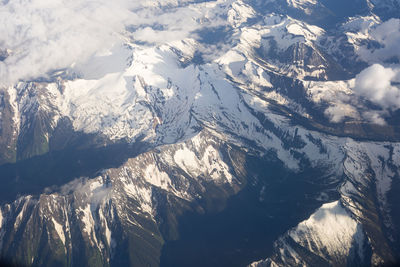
(379, 84)
(43, 35)
(46, 35)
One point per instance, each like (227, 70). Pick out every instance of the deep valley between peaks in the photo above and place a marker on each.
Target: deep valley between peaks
(200, 133)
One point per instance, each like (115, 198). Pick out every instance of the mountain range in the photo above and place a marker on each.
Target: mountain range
(200, 133)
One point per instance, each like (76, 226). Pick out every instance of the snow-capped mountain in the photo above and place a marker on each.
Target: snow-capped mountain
(222, 133)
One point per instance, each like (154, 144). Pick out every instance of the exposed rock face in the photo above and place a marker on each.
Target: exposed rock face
(107, 164)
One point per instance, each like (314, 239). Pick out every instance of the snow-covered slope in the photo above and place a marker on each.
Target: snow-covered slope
(330, 236)
(189, 110)
(345, 232)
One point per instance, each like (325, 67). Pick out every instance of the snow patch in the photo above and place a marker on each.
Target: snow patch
(158, 178)
(59, 229)
(240, 13)
(186, 159)
(329, 230)
(20, 215)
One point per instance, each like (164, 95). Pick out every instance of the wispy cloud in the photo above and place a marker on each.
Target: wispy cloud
(46, 35)
(43, 35)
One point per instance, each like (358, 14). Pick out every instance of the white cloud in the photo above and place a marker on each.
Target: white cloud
(50, 34)
(46, 35)
(338, 111)
(377, 84)
(374, 117)
(387, 35)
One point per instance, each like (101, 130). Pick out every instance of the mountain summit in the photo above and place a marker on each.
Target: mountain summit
(200, 133)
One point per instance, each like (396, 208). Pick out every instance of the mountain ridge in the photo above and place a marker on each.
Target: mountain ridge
(267, 105)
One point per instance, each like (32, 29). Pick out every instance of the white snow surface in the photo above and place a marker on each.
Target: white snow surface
(137, 87)
(330, 233)
(329, 230)
(147, 85)
(59, 229)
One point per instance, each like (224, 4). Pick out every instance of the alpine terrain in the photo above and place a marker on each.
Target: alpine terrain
(200, 133)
